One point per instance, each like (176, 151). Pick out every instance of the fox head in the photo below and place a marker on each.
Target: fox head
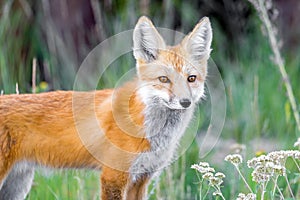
(171, 75)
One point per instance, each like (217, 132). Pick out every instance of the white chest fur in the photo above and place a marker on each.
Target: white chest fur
(164, 128)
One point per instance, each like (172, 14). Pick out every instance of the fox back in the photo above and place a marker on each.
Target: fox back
(130, 133)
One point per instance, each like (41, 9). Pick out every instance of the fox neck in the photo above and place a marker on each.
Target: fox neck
(164, 126)
(163, 129)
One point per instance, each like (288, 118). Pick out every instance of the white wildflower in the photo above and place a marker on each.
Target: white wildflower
(215, 181)
(279, 156)
(210, 169)
(203, 164)
(280, 170)
(217, 193)
(261, 160)
(220, 175)
(297, 143)
(208, 175)
(260, 177)
(297, 155)
(262, 169)
(251, 196)
(252, 163)
(235, 159)
(293, 153)
(241, 196)
(266, 166)
(200, 169)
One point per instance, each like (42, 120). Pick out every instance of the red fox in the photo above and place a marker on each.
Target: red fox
(129, 133)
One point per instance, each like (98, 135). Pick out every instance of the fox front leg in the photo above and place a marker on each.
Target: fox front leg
(113, 184)
(138, 189)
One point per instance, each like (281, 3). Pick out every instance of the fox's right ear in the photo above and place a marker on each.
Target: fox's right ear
(146, 40)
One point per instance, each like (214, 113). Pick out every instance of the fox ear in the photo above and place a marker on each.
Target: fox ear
(198, 42)
(146, 40)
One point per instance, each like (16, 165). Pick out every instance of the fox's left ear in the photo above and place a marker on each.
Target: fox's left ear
(146, 40)
(198, 42)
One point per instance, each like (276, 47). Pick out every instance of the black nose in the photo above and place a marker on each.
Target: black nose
(185, 103)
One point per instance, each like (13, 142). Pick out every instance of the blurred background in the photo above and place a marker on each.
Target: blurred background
(59, 34)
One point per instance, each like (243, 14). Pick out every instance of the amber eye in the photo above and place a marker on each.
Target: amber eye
(191, 78)
(163, 79)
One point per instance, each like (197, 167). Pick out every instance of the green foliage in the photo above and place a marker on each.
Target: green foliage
(65, 185)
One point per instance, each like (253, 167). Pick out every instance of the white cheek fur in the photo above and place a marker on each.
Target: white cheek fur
(148, 92)
(197, 92)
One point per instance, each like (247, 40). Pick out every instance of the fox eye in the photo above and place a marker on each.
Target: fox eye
(164, 79)
(191, 78)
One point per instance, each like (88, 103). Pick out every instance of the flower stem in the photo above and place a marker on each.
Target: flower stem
(204, 197)
(243, 178)
(201, 184)
(276, 186)
(217, 188)
(289, 186)
(296, 164)
(221, 195)
(263, 191)
(201, 190)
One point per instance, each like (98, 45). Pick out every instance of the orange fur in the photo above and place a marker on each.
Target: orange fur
(41, 128)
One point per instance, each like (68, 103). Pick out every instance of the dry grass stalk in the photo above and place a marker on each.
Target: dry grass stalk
(271, 33)
(17, 89)
(34, 75)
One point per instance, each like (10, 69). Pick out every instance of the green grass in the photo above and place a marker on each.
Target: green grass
(71, 184)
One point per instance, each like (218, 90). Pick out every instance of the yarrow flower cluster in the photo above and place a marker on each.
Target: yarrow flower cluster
(266, 166)
(235, 159)
(215, 180)
(249, 196)
(203, 167)
(207, 173)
